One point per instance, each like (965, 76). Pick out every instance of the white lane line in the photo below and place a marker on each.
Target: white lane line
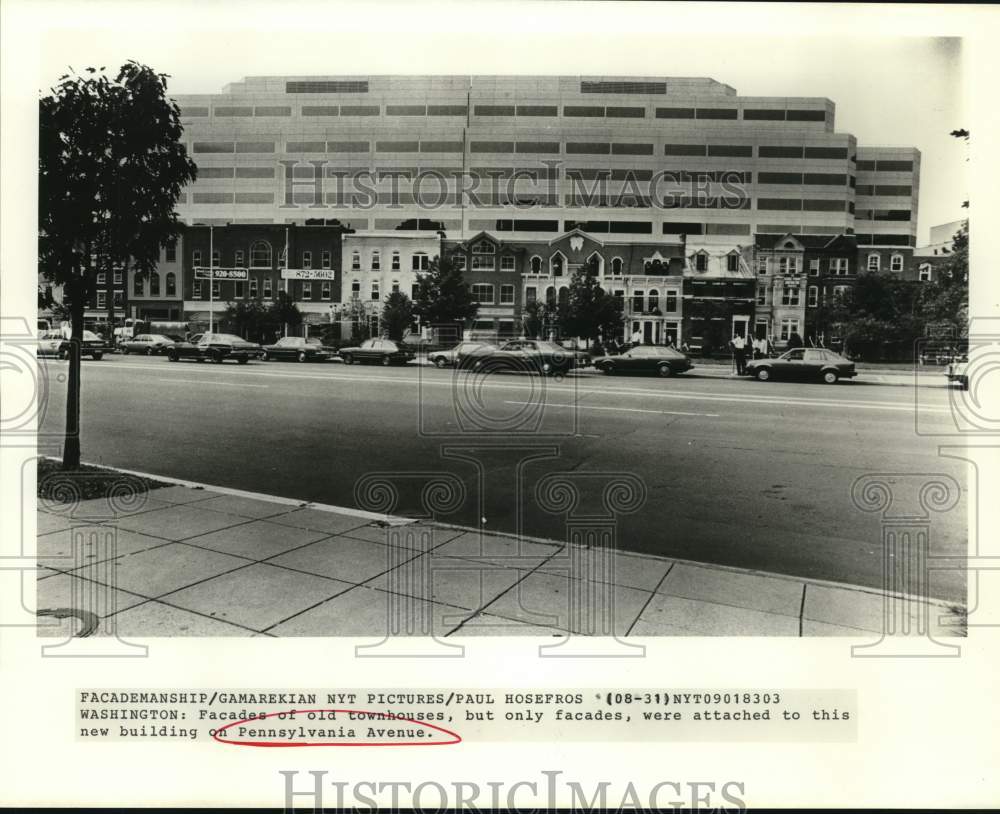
(693, 395)
(615, 409)
(209, 381)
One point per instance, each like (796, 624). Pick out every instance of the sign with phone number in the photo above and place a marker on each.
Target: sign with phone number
(307, 274)
(205, 273)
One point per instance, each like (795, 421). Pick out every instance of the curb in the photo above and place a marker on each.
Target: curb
(394, 520)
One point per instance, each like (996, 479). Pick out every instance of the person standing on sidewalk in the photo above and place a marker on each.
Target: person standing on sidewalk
(740, 354)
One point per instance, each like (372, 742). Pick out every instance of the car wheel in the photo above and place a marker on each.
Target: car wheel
(348, 359)
(126, 351)
(830, 376)
(265, 357)
(242, 360)
(149, 351)
(64, 353)
(608, 370)
(302, 356)
(547, 368)
(440, 361)
(665, 370)
(763, 374)
(96, 356)
(386, 361)
(172, 356)
(217, 358)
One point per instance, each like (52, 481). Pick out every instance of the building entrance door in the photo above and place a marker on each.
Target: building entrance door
(740, 326)
(648, 333)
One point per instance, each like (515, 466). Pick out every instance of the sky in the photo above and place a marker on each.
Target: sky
(900, 90)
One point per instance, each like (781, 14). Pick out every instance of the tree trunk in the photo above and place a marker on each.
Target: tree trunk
(71, 445)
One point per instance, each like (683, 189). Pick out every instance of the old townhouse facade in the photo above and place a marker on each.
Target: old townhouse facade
(719, 296)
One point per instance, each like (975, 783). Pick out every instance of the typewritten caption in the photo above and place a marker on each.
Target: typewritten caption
(442, 717)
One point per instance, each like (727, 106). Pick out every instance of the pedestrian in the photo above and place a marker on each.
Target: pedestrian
(636, 337)
(739, 344)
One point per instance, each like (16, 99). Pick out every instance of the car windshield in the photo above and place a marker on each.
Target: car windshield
(288, 341)
(160, 338)
(223, 338)
(313, 341)
(551, 347)
(90, 336)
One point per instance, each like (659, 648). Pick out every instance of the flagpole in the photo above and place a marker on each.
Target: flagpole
(211, 278)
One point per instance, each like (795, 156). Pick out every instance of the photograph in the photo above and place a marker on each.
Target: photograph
(601, 393)
(441, 350)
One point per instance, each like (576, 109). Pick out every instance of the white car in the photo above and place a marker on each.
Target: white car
(957, 372)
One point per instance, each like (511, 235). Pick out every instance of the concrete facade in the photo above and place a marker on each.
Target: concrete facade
(538, 156)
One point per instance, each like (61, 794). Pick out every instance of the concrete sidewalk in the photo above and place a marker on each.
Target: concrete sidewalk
(190, 560)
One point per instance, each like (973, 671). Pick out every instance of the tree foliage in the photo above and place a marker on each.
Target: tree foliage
(397, 315)
(443, 297)
(111, 167)
(283, 311)
(590, 311)
(249, 318)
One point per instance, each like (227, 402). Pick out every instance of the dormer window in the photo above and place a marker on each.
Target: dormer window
(701, 262)
(483, 256)
(733, 262)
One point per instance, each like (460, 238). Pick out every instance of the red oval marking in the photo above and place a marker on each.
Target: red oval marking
(455, 737)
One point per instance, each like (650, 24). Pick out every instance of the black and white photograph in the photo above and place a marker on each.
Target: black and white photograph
(597, 331)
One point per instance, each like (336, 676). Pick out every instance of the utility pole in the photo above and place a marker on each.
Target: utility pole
(211, 278)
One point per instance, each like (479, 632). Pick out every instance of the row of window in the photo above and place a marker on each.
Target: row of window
(261, 256)
(508, 111)
(790, 295)
(263, 287)
(376, 290)
(528, 147)
(170, 285)
(419, 261)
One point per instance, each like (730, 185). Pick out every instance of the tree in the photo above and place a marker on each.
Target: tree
(397, 315)
(442, 296)
(111, 167)
(533, 317)
(248, 317)
(284, 312)
(590, 311)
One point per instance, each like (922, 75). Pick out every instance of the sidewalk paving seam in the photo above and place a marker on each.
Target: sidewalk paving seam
(645, 604)
(397, 520)
(482, 609)
(802, 609)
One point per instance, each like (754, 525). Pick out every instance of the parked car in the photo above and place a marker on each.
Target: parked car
(300, 349)
(216, 348)
(149, 344)
(53, 343)
(958, 372)
(803, 364)
(657, 359)
(380, 351)
(531, 355)
(461, 355)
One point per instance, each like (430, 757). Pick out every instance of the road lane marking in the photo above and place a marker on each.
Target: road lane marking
(618, 409)
(899, 405)
(209, 381)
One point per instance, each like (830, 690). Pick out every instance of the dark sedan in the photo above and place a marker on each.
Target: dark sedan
(55, 344)
(300, 349)
(652, 359)
(149, 344)
(215, 348)
(462, 355)
(532, 356)
(378, 351)
(803, 364)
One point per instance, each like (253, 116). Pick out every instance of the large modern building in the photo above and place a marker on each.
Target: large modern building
(629, 159)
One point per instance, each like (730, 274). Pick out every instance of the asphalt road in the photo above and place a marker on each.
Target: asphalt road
(736, 472)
